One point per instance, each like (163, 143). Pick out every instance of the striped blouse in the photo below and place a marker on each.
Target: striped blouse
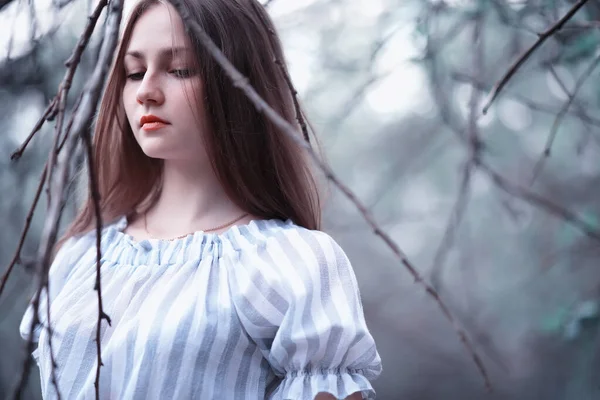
(267, 310)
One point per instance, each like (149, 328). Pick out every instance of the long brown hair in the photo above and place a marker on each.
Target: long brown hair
(261, 169)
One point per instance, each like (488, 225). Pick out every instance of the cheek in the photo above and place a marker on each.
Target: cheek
(129, 101)
(194, 91)
(127, 95)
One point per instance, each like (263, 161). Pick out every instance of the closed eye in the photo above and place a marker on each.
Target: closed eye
(182, 73)
(136, 76)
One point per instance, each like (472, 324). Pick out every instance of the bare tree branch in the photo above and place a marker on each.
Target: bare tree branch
(579, 108)
(359, 93)
(284, 72)
(500, 181)
(535, 199)
(583, 26)
(79, 130)
(563, 86)
(538, 200)
(523, 58)
(462, 200)
(559, 117)
(17, 256)
(45, 117)
(59, 102)
(581, 114)
(63, 92)
(299, 116)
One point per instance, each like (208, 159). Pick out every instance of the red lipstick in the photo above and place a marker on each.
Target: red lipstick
(152, 122)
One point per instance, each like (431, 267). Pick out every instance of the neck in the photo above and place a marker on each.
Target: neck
(191, 199)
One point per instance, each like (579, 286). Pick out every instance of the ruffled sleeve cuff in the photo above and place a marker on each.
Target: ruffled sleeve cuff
(340, 382)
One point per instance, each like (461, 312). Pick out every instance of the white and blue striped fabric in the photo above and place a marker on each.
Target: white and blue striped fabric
(267, 310)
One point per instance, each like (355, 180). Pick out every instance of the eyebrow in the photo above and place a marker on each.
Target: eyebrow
(163, 53)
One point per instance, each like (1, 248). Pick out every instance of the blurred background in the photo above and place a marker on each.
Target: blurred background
(395, 90)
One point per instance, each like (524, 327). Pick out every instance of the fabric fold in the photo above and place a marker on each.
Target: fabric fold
(305, 385)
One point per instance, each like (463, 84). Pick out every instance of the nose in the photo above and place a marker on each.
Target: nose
(149, 91)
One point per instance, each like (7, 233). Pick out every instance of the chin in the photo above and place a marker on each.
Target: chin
(162, 149)
(154, 147)
(157, 156)
(155, 152)
(164, 153)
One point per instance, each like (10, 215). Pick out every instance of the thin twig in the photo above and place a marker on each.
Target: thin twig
(462, 200)
(437, 85)
(49, 110)
(294, 92)
(42, 264)
(47, 241)
(565, 89)
(456, 216)
(542, 37)
(500, 181)
(335, 126)
(63, 92)
(584, 117)
(80, 129)
(81, 122)
(531, 197)
(578, 107)
(559, 117)
(286, 75)
(474, 157)
(70, 123)
(242, 83)
(583, 26)
(17, 256)
(58, 103)
(534, 198)
(48, 238)
(97, 285)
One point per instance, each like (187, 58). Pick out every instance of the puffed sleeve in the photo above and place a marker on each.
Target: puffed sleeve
(320, 341)
(59, 270)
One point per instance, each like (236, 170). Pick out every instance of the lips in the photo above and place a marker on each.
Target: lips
(152, 122)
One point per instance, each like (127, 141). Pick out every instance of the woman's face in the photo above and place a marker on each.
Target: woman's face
(161, 88)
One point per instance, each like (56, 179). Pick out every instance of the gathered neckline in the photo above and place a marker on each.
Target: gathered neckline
(200, 236)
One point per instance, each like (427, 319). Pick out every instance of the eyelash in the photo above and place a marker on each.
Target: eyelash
(179, 73)
(134, 76)
(182, 73)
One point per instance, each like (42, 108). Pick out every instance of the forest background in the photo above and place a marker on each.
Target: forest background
(495, 214)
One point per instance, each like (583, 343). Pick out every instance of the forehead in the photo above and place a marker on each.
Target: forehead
(159, 27)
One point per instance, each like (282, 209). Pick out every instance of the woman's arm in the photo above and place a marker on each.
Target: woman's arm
(308, 270)
(327, 396)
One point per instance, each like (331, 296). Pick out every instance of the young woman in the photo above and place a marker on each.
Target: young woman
(218, 283)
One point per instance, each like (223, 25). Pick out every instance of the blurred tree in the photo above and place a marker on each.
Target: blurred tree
(498, 211)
